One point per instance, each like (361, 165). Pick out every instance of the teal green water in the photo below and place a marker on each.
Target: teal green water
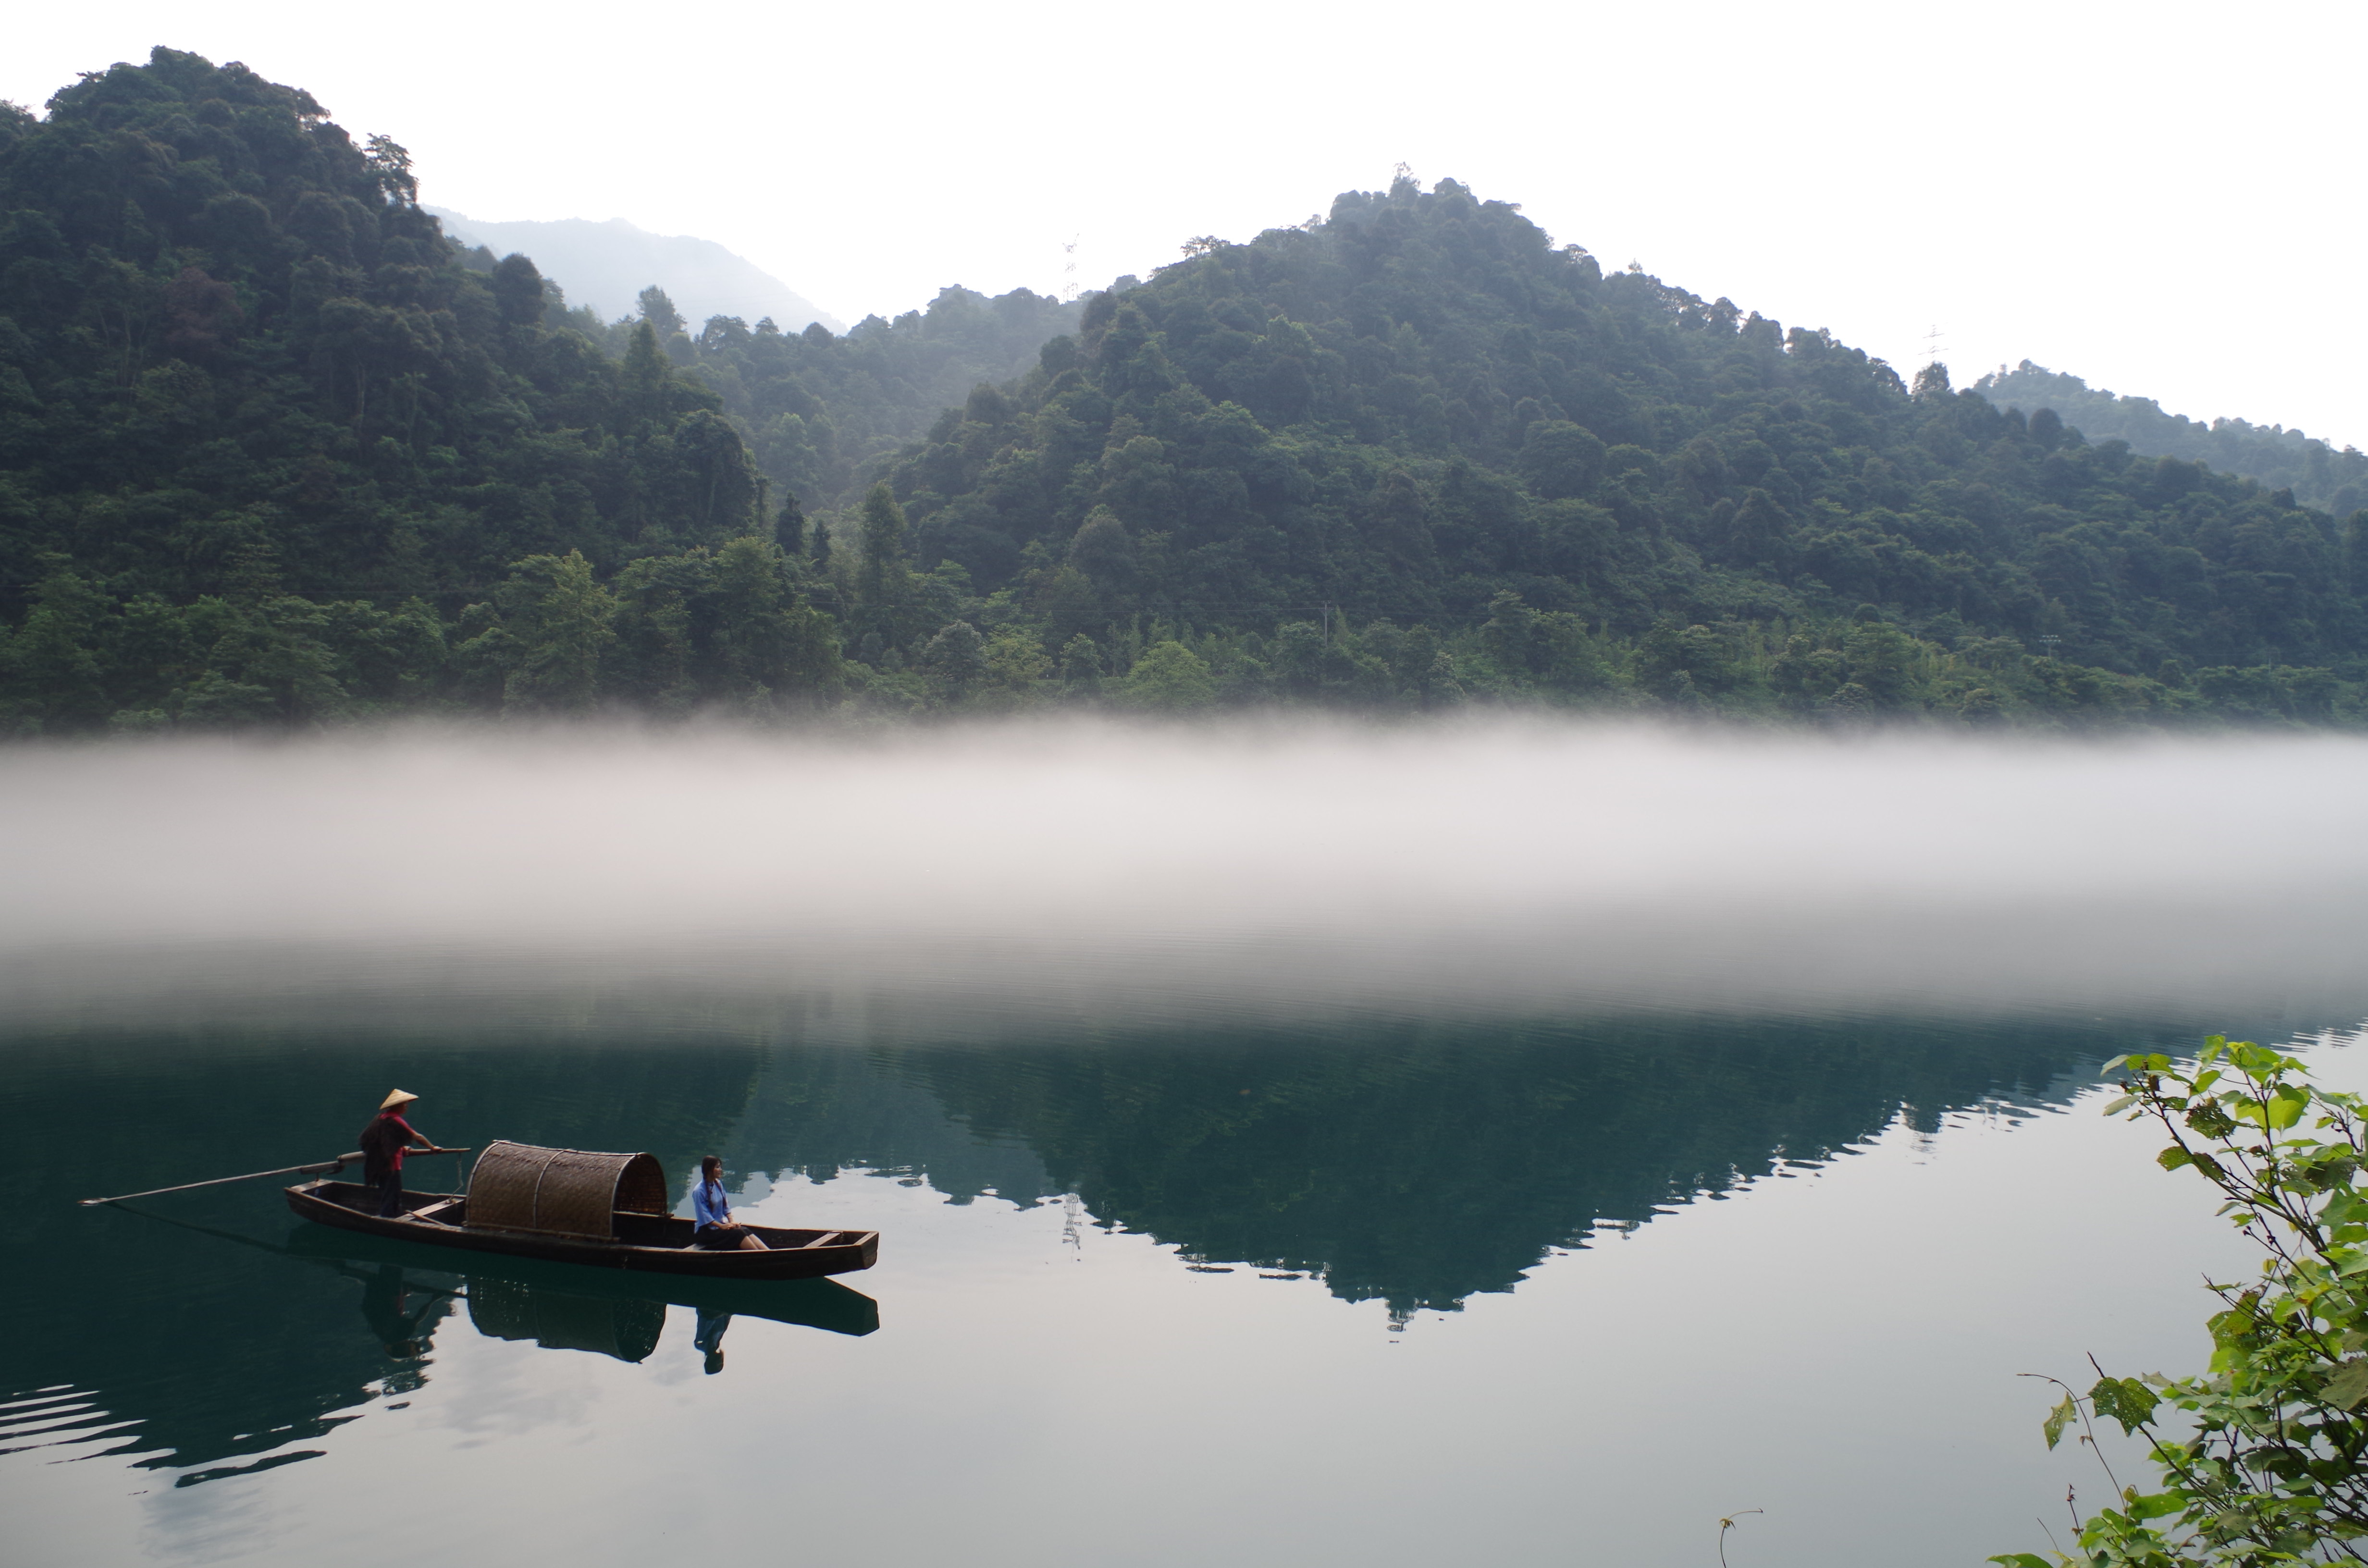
(1382, 1290)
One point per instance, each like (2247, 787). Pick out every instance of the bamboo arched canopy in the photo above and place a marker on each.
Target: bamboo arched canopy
(561, 1192)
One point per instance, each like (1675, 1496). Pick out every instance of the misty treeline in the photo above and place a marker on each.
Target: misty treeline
(2275, 457)
(273, 450)
(818, 410)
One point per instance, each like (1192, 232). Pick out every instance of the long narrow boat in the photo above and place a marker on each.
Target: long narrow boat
(575, 1206)
(806, 1303)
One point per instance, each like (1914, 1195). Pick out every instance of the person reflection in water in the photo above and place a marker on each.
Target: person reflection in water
(710, 1337)
(383, 1301)
(716, 1229)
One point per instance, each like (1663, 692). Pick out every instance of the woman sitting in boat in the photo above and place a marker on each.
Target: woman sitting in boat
(717, 1230)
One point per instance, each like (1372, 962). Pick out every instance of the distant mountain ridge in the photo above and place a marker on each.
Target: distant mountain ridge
(2271, 456)
(606, 265)
(275, 450)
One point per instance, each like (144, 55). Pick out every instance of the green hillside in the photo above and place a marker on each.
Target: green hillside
(271, 451)
(275, 450)
(2318, 474)
(1422, 420)
(819, 412)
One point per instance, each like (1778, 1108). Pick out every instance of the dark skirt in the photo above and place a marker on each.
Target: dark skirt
(715, 1238)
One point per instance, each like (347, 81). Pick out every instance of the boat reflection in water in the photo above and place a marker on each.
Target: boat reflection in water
(624, 1327)
(565, 1306)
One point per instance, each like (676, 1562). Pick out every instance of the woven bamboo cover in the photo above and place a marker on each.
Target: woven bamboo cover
(561, 1192)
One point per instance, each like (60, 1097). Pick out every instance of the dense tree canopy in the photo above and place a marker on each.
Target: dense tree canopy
(821, 411)
(1418, 428)
(2279, 459)
(271, 450)
(274, 450)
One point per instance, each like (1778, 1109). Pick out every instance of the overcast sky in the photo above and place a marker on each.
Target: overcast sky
(2159, 196)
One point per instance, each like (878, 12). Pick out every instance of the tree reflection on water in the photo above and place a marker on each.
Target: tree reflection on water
(1414, 1162)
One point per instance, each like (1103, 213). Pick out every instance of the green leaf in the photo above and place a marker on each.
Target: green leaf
(2126, 1400)
(2021, 1560)
(2161, 1505)
(2208, 1118)
(2053, 1427)
(2349, 1386)
(2171, 1159)
(2115, 1107)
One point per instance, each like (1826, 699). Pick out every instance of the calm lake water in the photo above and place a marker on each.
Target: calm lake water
(1374, 1288)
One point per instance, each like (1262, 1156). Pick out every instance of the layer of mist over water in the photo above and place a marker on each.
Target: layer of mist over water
(1066, 870)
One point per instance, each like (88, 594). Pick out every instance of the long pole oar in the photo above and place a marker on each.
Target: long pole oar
(325, 1168)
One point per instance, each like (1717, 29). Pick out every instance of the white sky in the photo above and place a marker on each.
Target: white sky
(2160, 197)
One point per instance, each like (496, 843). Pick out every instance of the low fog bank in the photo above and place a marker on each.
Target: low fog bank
(1079, 868)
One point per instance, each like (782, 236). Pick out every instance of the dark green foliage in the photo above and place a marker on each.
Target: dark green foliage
(821, 411)
(269, 444)
(2268, 1461)
(1421, 413)
(273, 450)
(2276, 458)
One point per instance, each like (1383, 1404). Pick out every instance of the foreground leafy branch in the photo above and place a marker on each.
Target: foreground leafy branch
(2268, 1467)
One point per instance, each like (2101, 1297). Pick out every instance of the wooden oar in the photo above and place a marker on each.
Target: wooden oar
(340, 1163)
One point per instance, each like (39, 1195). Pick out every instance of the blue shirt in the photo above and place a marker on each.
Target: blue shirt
(707, 1204)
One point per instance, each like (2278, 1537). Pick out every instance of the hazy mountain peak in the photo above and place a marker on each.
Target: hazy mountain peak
(606, 264)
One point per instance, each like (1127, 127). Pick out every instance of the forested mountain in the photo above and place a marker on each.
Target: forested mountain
(2314, 471)
(819, 411)
(271, 450)
(274, 448)
(1505, 471)
(605, 266)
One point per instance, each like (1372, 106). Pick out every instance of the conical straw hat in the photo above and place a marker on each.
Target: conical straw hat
(400, 1096)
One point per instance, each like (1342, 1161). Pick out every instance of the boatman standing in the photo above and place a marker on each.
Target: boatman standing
(383, 1142)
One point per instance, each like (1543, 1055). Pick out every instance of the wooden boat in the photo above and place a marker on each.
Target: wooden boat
(575, 1206)
(806, 1303)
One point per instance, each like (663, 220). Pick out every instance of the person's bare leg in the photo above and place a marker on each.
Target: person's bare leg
(753, 1243)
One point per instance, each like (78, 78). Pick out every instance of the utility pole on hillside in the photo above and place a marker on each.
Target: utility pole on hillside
(1069, 269)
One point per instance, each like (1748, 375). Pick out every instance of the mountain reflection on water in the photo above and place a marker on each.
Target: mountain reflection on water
(1412, 1162)
(1418, 1162)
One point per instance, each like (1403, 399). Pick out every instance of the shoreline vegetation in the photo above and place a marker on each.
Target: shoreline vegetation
(276, 451)
(2259, 1460)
